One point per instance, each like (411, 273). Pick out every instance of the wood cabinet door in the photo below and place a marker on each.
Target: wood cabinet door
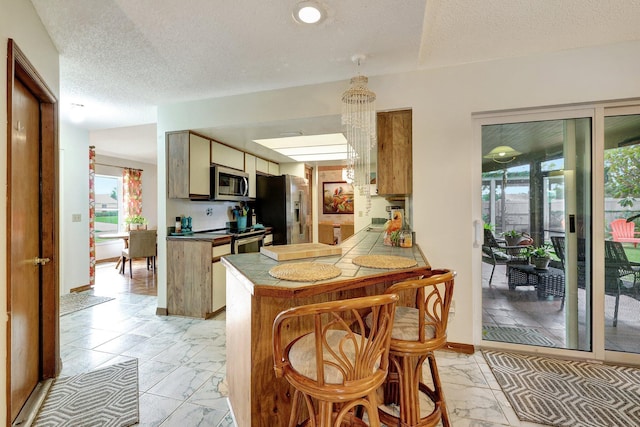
(178, 165)
(199, 166)
(394, 176)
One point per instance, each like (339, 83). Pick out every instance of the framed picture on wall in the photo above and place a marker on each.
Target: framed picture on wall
(337, 198)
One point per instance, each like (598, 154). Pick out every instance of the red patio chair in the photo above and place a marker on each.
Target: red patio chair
(623, 231)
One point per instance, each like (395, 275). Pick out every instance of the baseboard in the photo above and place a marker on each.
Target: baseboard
(162, 311)
(460, 347)
(105, 260)
(81, 288)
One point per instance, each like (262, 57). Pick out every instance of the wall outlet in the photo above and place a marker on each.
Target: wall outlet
(209, 211)
(76, 217)
(452, 310)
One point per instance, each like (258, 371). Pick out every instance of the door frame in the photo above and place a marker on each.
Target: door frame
(19, 67)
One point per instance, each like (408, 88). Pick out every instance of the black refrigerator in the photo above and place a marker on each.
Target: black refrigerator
(281, 203)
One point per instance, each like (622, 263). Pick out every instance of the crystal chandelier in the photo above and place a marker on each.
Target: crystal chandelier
(359, 121)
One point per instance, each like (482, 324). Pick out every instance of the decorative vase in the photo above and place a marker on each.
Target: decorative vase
(242, 223)
(540, 263)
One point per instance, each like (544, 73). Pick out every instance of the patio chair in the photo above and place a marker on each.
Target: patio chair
(498, 253)
(623, 231)
(558, 248)
(621, 277)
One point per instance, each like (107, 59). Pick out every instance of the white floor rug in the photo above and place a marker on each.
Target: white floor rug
(78, 301)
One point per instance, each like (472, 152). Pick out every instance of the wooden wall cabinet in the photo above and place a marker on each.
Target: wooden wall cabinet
(196, 278)
(188, 167)
(395, 165)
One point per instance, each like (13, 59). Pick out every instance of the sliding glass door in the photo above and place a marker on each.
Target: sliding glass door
(536, 200)
(622, 230)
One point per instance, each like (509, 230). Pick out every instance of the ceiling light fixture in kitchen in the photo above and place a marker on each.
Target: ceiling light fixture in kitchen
(308, 12)
(359, 120)
(309, 148)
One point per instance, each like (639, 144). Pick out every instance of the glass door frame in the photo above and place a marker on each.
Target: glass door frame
(596, 111)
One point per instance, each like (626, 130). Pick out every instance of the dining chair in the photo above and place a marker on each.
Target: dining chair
(325, 233)
(142, 244)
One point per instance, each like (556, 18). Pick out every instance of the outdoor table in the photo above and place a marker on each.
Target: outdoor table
(549, 281)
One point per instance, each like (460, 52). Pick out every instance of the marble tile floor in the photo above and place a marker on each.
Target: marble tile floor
(182, 364)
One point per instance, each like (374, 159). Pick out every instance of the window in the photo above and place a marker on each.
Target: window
(108, 204)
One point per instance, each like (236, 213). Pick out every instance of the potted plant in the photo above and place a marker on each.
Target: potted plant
(135, 222)
(540, 256)
(512, 237)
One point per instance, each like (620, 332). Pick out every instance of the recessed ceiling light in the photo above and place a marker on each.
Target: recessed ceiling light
(308, 12)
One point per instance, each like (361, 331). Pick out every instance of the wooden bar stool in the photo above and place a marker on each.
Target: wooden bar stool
(417, 332)
(336, 368)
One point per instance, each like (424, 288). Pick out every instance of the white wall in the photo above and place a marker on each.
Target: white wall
(20, 22)
(446, 156)
(74, 199)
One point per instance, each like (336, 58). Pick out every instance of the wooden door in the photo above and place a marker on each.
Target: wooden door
(25, 248)
(33, 351)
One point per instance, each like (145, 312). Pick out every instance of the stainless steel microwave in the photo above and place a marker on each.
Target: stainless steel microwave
(229, 184)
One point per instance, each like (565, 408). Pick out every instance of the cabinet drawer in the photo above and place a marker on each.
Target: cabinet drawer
(223, 250)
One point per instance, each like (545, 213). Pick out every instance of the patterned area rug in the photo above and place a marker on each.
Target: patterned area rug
(78, 301)
(106, 397)
(516, 335)
(566, 393)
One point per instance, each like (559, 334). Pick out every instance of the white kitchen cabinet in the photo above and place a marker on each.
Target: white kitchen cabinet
(274, 168)
(188, 166)
(227, 156)
(250, 168)
(262, 165)
(219, 278)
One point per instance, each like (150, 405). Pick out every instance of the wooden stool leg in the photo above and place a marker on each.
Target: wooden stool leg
(437, 389)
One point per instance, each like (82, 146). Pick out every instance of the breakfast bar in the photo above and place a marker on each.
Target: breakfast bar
(254, 298)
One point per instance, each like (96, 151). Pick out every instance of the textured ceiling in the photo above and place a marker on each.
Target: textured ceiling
(122, 58)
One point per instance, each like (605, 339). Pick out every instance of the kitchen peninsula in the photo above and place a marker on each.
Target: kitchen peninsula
(254, 298)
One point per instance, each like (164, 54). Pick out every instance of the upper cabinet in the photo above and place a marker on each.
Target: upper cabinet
(394, 175)
(188, 166)
(262, 165)
(189, 159)
(227, 156)
(274, 168)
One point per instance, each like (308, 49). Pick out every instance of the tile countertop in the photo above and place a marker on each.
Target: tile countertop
(253, 269)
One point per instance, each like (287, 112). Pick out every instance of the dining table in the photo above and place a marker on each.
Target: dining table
(124, 235)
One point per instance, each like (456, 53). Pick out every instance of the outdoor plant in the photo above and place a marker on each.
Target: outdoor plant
(512, 233)
(543, 251)
(512, 237)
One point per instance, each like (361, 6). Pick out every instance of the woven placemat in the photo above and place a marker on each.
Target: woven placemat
(384, 261)
(305, 271)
